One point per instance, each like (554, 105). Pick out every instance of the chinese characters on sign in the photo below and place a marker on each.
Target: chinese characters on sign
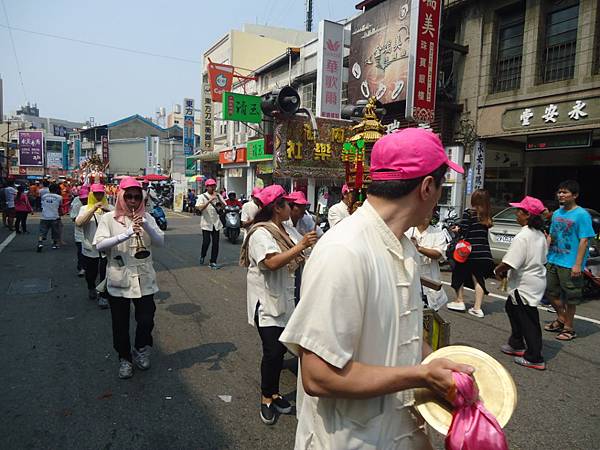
(207, 119)
(221, 79)
(552, 113)
(241, 107)
(478, 166)
(189, 138)
(330, 60)
(422, 75)
(31, 148)
(258, 150)
(105, 153)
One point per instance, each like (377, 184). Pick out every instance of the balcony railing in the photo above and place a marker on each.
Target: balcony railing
(507, 75)
(558, 62)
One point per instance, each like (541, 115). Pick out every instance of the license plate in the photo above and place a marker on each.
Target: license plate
(505, 238)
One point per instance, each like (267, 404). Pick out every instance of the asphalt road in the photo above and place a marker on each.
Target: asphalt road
(60, 388)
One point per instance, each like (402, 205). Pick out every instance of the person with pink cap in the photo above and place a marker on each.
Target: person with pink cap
(272, 252)
(76, 204)
(525, 264)
(94, 261)
(211, 205)
(251, 208)
(358, 329)
(340, 210)
(130, 277)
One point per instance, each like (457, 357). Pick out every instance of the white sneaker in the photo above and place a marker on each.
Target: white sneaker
(125, 369)
(476, 312)
(141, 357)
(456, 306)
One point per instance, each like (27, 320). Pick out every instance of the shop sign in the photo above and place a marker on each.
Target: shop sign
(559, 141)
(31, 148)
(235, 173)
(574, 112)
(330, 60)
(13, 170)
(233, 155)
(34, 171)
(257, 150)
(189, 138)
(264, 168)
(241, 107)
(77, 152)
(478, 172)
(207, 119)
(379, 52)
(54, 160)
(151, 148)
(300, 152)
(221, 79)
(105, 154)
(422, 72)
(65, 155)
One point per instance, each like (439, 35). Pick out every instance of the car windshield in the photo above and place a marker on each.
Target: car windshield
(507, 215)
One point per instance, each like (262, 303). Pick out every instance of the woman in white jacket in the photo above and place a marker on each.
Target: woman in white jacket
(129, 279)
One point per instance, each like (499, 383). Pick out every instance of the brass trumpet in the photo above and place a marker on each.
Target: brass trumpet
(141, 252)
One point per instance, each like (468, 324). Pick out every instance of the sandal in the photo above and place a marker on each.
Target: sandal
(556, 326)
(566, 335)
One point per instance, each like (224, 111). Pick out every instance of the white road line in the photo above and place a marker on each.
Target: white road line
(543, 308)
(7, 241)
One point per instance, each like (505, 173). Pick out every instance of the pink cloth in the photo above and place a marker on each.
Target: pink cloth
(473, 427)
(121, 210)
(22, 203)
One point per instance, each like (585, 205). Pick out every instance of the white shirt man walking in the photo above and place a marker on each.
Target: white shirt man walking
(358, 328)
(210, 204)
(340, 210)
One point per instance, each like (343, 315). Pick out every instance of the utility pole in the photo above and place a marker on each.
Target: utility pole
(309, 15)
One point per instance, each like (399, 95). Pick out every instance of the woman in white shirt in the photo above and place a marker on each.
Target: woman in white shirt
(272, 251)
(431, 244)
(525, 263)
(130, 279)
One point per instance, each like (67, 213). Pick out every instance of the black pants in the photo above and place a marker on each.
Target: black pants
(272, 359)
(94, 267)
(80, 261)
(298, 283)
(144, 318)
(525, 326)
(21, 222)
(207, 236)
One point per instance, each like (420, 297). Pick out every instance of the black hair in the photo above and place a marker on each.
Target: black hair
(536, 222)
(395, 189)
(266, 212)
(54, 188)
(570, 185)
(21, 188)
(46, 183)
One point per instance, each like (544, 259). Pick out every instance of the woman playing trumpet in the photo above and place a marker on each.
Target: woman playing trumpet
(122, 234)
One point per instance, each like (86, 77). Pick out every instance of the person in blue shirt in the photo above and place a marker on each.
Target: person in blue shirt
(570, 230)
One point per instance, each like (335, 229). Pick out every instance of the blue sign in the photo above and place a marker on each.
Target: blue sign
(77, 145)
(65, 155)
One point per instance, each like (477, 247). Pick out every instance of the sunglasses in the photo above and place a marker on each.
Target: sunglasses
(132, 197)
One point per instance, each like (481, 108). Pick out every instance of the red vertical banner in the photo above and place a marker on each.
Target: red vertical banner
(220, 77)
(105, 155)
(423, 60)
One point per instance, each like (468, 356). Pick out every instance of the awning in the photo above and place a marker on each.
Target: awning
(205, 156)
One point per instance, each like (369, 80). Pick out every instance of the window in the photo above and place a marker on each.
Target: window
(309, 97)
(509, 50)
(560, 43)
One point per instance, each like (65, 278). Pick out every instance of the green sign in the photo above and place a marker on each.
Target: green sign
(241, 108)
(190, 167)
(255, 151)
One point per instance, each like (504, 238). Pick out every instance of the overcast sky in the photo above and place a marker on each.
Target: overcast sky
(74, 81)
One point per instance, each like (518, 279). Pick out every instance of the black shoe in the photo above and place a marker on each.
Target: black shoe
(39, 248)
(202, 261)
(92, 294)
(268, 413)
(282, 405)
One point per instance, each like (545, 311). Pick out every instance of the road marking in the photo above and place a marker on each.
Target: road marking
(173, 213)
(7, 241)
(543, 308)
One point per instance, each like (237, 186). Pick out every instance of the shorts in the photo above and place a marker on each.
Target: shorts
(560, 284)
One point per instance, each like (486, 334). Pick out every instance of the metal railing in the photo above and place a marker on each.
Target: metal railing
(507, 75)
(558, 62)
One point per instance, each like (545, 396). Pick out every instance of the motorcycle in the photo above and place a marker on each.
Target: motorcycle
(233, 223)
(159, 215)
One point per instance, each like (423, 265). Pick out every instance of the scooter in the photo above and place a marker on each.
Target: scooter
(233, 223)
(591, 273)
(160, 217)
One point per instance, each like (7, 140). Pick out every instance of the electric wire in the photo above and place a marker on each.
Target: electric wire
(12, 41)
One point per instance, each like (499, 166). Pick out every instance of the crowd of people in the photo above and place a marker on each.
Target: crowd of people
(349, 302)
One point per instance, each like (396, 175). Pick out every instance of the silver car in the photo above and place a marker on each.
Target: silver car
(503, 232)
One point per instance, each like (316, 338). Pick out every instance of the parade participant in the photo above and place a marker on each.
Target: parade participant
(474, 227)
(51, 203)
(76, 204)
(300, 219)
(251, 208)
(210, 204)
(94, 261)
(22, 210)
(9, 195)
(340, 210)
(232, 200)
(34, 195)
(431, 244)
(272, 252)
(569, 233)
(525, 263)
(358, 327)
(129, 279)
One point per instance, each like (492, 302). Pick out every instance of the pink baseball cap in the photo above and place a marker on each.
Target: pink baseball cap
(532, 205)
(210, 182)
(256, 191)
(271, 193)
(129, 182)
(97, 187)
(408, 154)
(298, 198)
(345, 189)
(84, 191)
